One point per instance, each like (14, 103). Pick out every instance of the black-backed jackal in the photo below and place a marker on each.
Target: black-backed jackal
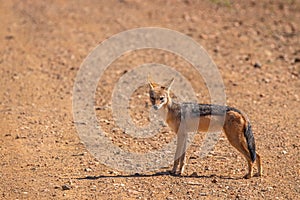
(236, 126)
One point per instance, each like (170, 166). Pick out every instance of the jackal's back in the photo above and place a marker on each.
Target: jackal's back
(199, 110)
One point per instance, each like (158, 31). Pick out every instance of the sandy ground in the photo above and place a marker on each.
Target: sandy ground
(255, 44)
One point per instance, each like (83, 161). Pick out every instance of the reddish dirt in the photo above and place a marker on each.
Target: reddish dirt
(256, 45)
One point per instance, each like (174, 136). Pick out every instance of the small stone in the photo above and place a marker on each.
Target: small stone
(133, 191)
(289, 29)
(194, 174)
(93, 188)
(203, 36)
(257, 65)
(9, 37)
(88, 170)
(268, 53)
(214, 180)
(217, 49)
(296, 60)
(66, 187)
(263, 190)
(202, 194)
(266, 80)
(269, 188)
(284, 152)
(237, 24)
(186, 17)
(234, 84)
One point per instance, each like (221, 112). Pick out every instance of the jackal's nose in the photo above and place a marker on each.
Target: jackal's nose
(155, 107)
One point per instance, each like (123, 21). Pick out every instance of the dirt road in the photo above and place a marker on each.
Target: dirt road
(255, 44)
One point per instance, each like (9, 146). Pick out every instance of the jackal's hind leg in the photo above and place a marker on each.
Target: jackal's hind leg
(234, 130)
(242, 149)
(259, 165)
(237, 141)
(250, 169)
(240, 145)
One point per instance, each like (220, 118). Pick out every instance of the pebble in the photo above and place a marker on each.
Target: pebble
(9, 37)
(296, 60)
(283, 57)
(266, 80)
(257, 65)
(284, 152)
(66, 187)
(194, 174)
(93, 188)
(203, 36)
(270, 188)
(133, 191)
(193, 183)
(88, 170)
(268, 53)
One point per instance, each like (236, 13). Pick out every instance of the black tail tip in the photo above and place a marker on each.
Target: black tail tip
(250, 141)
(253, 155)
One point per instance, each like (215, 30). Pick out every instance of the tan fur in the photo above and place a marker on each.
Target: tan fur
(234, 126)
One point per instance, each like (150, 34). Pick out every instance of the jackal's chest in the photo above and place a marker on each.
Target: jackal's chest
(173, 124)
(173, 121)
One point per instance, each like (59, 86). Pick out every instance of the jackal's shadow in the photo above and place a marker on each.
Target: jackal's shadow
(137, 175)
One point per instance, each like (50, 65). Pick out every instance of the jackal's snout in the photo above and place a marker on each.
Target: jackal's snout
(156, 107)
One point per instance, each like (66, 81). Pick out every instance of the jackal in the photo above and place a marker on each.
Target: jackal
(235, 124)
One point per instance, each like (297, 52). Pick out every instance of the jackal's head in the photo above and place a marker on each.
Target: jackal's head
(159, 94)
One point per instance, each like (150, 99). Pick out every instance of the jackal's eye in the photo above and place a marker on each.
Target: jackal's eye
(162, 98)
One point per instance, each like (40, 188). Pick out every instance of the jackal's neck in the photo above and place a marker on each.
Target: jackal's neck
(170, 106)
(172, 114)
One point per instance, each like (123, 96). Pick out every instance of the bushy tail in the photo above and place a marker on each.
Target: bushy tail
(250, 141)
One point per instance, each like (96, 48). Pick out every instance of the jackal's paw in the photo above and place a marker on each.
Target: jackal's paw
(172, 172)
(182, 169)
(247, 176)
(258, 174)
(180, 174)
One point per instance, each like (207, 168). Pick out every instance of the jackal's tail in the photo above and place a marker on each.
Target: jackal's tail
(250, 141)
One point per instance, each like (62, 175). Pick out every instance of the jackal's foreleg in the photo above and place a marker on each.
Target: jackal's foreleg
(180, 152)
(182, 164)
(175, 165)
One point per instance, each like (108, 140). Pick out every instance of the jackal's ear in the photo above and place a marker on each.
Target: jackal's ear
(169, 84)
(150, 82)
